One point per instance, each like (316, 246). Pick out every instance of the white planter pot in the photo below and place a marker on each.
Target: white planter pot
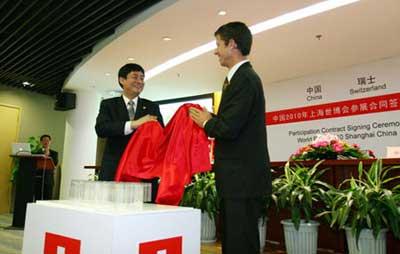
(262, 229)
(208, 230)
(367, 244)
(303, 240)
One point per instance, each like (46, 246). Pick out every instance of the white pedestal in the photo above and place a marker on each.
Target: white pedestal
(64, 227)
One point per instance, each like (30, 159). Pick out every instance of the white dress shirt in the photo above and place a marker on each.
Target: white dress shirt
(231, 72)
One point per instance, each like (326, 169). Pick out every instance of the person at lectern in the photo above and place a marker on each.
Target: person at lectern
(45, 178)
(241, 160)
(119, 117)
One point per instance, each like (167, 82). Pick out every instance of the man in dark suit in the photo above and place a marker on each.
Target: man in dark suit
(119, 117)
(241, 156)
(45, 178)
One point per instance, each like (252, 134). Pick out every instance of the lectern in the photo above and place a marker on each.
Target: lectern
(25, 183)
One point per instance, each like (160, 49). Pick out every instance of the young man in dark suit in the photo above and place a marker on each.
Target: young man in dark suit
(119, 117)
(241, 156)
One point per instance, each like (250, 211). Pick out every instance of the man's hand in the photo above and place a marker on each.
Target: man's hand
(199, 116)
(144, 119)
(46, 151)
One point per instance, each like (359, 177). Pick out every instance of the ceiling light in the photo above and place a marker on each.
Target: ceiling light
(166, 38)
(131, 59)
(299, 14)
(222, 13)
(180, 59)
(281, 20)
(27, 84)
(108, 74)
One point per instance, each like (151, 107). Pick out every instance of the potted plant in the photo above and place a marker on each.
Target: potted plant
(366, 208)
(201, 193)
(298, 190)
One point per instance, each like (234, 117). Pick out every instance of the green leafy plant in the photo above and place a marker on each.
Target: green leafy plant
(298, 189)
(36, 146)
(201, 193)
(365, 202)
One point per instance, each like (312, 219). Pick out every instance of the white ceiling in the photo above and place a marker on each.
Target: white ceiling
(361, 32)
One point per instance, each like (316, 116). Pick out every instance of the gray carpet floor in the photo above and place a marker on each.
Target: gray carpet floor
(10, 240)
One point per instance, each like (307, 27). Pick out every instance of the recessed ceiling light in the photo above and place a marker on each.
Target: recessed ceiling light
(221, 13)
(166, 38)
(108, 74)
(26, 83)
(131, 59)
(281, 20)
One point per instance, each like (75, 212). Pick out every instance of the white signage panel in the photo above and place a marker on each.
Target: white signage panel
(360, 104)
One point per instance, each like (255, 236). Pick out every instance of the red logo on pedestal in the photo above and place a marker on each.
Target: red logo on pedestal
(55, 244)
(165, 246)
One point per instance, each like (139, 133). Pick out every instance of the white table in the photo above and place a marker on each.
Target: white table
(67, 227)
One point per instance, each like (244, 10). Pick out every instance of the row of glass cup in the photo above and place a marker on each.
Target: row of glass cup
(106, 193)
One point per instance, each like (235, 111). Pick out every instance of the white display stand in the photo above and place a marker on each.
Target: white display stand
(65, 227)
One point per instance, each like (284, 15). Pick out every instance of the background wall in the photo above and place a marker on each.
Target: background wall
(360, 104)
(37, 116)
(80, 140)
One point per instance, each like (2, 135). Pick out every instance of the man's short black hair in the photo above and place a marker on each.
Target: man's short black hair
(128, 68)
(239, 32)
(45, 136)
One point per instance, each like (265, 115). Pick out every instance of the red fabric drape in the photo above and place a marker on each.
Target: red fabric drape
(184, 152)
(140, 154)
(174, 155)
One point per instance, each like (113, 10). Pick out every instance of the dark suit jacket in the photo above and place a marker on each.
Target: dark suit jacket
(54, 156)
(241, 156)
(110, 124)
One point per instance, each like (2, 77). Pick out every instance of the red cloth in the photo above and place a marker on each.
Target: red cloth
(185, 151)
(181, 151)
(140, 154)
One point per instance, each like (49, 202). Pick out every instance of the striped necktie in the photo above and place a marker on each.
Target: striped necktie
(131, 109)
